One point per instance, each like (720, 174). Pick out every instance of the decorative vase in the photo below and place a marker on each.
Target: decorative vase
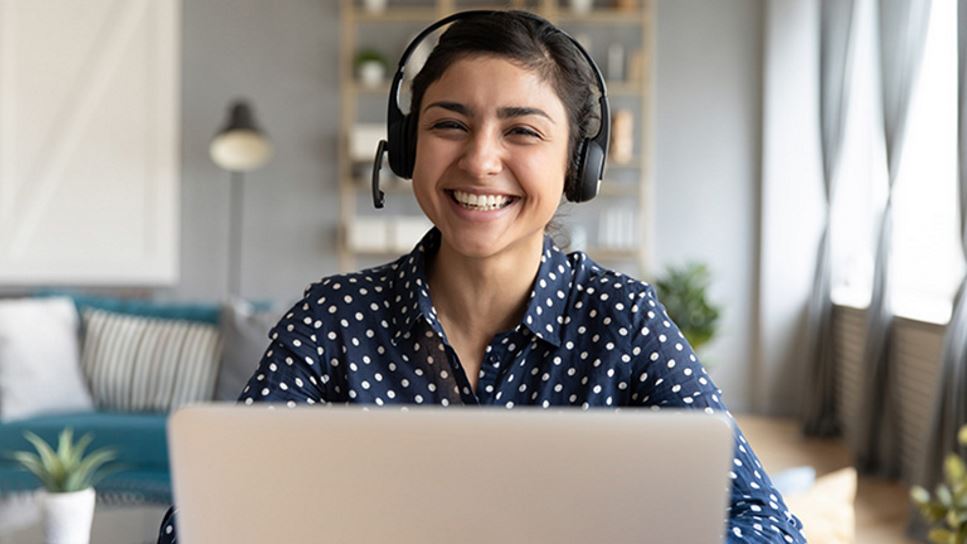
(375, 6)
(68, 516)
(372, 73)
(581, 7)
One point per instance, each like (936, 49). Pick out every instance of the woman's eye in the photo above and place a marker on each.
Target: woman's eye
(524, 132)
(447, 125)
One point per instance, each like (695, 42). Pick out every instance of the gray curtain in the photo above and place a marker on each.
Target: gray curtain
(835, 59)
(950, 410)
(901, 32)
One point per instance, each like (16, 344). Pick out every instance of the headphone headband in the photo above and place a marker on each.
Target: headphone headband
(591, 151)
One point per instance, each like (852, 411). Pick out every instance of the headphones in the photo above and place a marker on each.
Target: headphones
(591, 152)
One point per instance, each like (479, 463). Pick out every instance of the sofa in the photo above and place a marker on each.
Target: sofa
(115, 368)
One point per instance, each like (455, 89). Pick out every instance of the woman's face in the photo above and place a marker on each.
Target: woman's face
(491, 156)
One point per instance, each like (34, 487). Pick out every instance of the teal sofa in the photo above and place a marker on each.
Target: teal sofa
(139, 438)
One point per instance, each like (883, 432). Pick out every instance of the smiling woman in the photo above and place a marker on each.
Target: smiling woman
(506, 119)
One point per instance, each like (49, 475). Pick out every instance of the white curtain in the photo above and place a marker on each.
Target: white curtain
(901, 30)
(950, 410)
(835, 59)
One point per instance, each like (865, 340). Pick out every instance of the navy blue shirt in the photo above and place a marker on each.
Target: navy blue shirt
(589, 337)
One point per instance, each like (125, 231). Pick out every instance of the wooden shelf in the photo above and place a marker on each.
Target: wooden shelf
(397, 15)
(601, 16)
(617, 88)
(613, 254)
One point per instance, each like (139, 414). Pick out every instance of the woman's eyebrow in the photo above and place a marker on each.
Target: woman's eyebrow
(503, 113)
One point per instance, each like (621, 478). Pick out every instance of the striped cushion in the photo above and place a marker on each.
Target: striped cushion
(149, 364)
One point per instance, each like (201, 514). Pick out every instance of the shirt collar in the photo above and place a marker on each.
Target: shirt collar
(546, 305)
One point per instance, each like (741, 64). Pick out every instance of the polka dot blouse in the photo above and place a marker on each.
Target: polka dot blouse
(589, 337)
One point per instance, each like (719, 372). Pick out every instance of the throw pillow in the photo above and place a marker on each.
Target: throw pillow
(39, 359)
(245, 332)
(148, 364)
(826, 509)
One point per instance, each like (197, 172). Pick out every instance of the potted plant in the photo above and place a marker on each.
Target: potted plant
(683, 291)
(370, 67)
(68, 477)
(947, 511)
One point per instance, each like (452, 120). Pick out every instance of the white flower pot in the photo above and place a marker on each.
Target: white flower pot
(68, 516)
(581, 7)
(371, 74)
(375, 6)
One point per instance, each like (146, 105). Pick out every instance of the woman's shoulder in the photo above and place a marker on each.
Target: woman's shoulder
(609, 292)
(592, 277)
(363, 282)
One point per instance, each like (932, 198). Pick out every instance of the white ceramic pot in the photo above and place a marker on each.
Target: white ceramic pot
(371, 73)
(375, 6)
(68, 516)
(582, 7)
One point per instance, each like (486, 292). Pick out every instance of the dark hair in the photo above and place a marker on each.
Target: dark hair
(533, 43)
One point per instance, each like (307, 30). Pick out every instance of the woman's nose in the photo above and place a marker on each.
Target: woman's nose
(482, 156)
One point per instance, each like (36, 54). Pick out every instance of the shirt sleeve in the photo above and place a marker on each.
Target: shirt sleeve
(292, 371)
(669, 375)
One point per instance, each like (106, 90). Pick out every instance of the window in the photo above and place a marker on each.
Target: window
(926, 261)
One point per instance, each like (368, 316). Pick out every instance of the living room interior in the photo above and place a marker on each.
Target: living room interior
(790, 172)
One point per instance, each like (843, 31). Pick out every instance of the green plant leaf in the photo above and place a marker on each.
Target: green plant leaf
(33, 464)
(53, 465)
(944, 496)
(77, 453)
(919, 495)
(82, 476)
(941, 536)
(682, 291)
(99, 476)
(954, 470)
(67, 469)
(933, 512)
(64, 442)
(952, 520)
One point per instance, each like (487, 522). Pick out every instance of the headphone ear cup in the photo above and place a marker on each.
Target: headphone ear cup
(591, 162)
(398, 147)
(573, 192)
(408, 145)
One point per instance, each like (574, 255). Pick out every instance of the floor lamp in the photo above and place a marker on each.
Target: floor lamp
(239, 147)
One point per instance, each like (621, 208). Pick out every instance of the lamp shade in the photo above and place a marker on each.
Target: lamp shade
(240, 146)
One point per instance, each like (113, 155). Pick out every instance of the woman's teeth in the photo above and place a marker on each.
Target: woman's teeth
(481, 202)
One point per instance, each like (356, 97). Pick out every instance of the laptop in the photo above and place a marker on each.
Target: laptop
(347, 474)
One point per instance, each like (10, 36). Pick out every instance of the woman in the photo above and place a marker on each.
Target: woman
(485, 310)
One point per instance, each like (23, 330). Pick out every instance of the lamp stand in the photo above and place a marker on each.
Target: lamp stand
(236, 189)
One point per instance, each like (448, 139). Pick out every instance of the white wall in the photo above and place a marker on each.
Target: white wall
(283, 56)
(707, 154)
(792, 206)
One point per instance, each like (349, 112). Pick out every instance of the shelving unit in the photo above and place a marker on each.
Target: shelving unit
(625, 187)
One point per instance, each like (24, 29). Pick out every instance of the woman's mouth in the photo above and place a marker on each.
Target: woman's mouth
(484, 203)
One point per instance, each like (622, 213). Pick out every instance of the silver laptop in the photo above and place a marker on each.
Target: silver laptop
(443, 475)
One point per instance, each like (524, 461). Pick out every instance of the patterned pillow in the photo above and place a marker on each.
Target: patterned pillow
(148, 364)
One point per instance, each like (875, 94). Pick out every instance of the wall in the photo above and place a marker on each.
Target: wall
(284, 58)
(707, 155)
(792, 202)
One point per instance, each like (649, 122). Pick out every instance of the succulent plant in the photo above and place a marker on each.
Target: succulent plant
(67, 469)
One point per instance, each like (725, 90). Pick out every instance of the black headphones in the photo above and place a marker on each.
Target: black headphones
(591, 152)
